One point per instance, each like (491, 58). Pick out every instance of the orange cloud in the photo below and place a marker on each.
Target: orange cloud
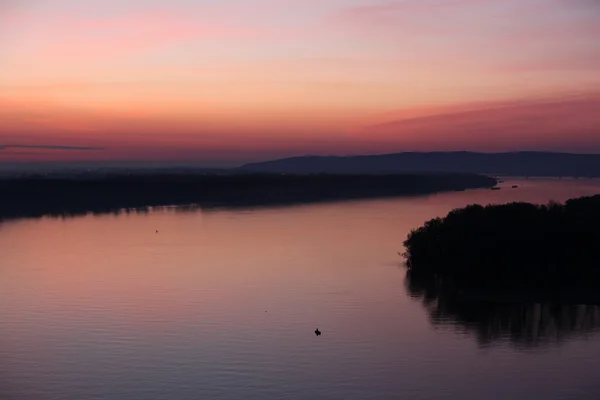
(571, 124)
(568, 124)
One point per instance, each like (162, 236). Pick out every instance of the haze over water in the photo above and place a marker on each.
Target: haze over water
(223, 304)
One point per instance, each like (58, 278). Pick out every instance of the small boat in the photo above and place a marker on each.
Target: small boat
(514, 186)
(495, 188)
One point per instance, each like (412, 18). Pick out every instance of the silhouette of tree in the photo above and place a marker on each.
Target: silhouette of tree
(516, 244)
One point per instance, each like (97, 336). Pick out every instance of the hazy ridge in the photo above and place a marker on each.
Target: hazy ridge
(507, 164)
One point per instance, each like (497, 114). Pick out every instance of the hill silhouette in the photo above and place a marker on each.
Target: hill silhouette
(508, 164)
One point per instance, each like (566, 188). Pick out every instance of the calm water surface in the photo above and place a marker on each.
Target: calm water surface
(223, 305)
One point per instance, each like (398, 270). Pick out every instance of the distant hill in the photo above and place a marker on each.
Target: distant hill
(508, 164)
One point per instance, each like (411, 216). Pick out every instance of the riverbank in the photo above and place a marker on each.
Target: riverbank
(34, 197)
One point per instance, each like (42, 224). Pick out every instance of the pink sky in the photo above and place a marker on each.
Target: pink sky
(239, 80)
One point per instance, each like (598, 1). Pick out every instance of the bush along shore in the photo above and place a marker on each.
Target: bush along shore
(549, 248)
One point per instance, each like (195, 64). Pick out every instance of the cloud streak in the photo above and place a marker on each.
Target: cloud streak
(50, 147)
(569, 124)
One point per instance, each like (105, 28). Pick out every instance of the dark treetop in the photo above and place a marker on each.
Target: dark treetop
(517, 245)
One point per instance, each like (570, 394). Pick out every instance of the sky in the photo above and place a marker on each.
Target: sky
(231, 81)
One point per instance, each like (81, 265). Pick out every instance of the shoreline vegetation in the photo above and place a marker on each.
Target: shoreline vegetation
(511, 252)
(38, 196)
(518, 273)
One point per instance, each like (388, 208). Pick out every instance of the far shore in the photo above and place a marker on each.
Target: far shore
(39, 196)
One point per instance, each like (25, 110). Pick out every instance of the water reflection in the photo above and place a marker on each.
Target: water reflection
(116, 212)
(523, 325)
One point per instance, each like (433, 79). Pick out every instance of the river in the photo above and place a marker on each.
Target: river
(218, 304)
